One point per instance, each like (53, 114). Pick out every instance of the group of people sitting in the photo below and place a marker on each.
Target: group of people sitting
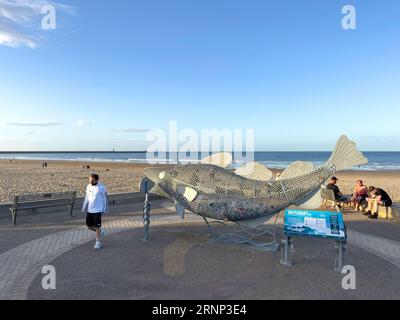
(372, 196)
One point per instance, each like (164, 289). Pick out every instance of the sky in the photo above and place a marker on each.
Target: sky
(113, 70)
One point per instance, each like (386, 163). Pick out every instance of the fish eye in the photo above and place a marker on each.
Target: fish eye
(161, 175)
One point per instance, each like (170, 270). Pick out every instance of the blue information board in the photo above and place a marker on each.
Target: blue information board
(324, 224)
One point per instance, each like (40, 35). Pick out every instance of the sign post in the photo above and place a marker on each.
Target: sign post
(285, 253)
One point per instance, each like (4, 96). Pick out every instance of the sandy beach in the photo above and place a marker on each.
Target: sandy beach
(28, 176)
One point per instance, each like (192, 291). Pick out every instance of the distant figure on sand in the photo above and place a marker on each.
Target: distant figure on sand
(340, 197)
(360, 194)
(97, 205)
(378, 197)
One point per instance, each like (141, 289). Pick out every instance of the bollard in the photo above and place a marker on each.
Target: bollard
(146, 215)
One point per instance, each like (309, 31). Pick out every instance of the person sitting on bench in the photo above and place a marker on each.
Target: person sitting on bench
(340, 197)
(360, 194)
(378, 197)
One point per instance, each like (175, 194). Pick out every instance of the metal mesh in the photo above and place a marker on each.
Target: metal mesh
(225, 196)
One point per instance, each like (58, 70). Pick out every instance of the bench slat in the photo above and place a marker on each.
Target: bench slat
(42, 205)
(44, 196)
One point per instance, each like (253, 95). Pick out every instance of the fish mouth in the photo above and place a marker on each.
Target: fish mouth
(155, 174)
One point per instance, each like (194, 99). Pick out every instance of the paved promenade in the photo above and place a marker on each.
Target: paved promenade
(180, 262)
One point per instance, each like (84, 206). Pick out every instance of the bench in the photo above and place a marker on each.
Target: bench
(385, 212)
(328, 196)
(388, 212)
(42, 200)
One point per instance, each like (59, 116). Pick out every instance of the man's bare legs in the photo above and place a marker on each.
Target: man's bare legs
(373, 205)
(97, 231)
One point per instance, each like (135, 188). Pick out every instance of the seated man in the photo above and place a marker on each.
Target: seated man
(378, 197)
(340, 197)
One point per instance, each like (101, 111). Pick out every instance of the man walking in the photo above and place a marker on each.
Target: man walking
(97, 205)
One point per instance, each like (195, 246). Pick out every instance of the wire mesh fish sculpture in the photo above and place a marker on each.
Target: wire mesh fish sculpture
(215, 192)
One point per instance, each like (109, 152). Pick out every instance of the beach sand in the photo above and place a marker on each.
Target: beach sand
(28, 176)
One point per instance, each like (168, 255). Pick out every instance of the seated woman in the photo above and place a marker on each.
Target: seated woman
(378, 197)
(360, 194)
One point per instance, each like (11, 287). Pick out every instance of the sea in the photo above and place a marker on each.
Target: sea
(275, 160)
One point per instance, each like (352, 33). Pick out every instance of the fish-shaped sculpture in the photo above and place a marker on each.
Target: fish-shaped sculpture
(215, 192)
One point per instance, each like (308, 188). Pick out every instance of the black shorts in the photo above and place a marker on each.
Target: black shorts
(387, 203)
(93, 220)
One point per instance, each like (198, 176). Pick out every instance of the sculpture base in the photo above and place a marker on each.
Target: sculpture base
(262, 238)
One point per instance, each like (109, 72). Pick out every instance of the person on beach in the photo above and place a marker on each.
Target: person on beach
(96, 204)
(340, 197)
(378, 197)
(360, 194)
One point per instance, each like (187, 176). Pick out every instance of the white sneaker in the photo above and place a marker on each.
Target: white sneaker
(102, 232)
(97, 245)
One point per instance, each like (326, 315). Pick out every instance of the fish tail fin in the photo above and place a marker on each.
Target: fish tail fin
(346, 155)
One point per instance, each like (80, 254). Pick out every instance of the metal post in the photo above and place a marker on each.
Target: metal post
(285, 253)
(146, 215)
(14, 210)
(72, 204)
(14, 216)
(339, 257)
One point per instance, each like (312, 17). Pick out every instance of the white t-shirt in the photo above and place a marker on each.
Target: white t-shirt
(96, 199)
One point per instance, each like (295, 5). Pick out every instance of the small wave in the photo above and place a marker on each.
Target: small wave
(392, 163)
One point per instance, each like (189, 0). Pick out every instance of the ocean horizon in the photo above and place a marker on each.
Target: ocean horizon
(378, 160)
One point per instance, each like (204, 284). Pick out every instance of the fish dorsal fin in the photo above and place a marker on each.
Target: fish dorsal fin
(222, 159)
(255, 171)
(297, 169)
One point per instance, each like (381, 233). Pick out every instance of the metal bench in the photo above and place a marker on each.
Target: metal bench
(42, 200)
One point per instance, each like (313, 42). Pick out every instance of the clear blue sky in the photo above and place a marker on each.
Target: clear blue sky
(286, 69)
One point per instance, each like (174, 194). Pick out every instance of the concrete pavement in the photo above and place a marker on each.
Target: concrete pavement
(180, 263)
